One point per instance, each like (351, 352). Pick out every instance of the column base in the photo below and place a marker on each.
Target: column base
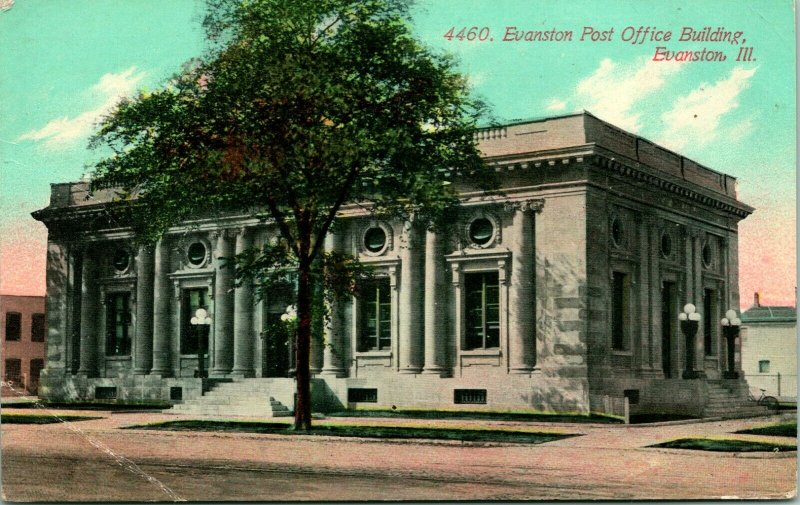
(410, 371)
(520, 370)
(141, 372)
(242, 374)
(333, 372)
(219, 372)
(435, 370)
(163, 374)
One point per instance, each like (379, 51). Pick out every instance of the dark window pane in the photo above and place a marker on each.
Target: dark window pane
(191, 334)
(37, 328)
(482, 311)
(376, 316)
(118, 324)
(13, 325)
(13, 371)
(618, 311)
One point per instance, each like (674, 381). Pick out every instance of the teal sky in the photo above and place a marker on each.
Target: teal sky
(65, 62)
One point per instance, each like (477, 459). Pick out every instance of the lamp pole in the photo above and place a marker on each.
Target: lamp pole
(201, 322)
(690, 322)
(731, 327)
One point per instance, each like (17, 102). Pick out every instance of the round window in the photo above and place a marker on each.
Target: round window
(121, 260)
(196, 253)
(616, 231)
(666, 245)
(707, 255)
(481, 231)
(375, 239)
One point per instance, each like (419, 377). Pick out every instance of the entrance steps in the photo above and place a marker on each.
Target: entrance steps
(728, 399)
(243, 397)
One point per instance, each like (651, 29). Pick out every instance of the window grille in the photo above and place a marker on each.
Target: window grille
(470, 396)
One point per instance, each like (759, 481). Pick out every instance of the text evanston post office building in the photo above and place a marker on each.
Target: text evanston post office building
(559, 293)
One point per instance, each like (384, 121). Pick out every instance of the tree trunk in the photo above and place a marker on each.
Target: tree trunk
(302, 413)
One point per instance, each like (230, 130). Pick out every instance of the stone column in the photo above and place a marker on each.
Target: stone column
(162, 289)
(333, 353)
(143, 356)
(699, 293)
(243, 317)
(642, 356)
(656, 332)
(435, 306)
(223, 306)
(522, 305)
(89, 312)
(411, 300)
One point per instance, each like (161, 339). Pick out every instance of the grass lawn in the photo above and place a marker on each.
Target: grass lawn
(112, 406)
(775, 430)
(708, 444)
(471, 435)
(40, 418)
(494, 416)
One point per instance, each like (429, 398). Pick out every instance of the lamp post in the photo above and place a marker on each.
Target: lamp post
(690, 322)
(201, 322)
(731, 326)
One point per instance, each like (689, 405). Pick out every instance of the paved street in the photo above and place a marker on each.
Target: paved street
(94, 460)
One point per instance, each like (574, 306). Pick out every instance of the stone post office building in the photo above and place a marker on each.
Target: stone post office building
(557, 294)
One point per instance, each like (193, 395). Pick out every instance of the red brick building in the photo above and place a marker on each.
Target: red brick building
(23, 326)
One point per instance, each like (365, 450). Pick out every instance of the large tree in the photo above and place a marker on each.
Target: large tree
(297, 108)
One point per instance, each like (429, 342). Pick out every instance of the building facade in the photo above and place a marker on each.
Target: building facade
(23, 326)
(556, 293)
(769, 349)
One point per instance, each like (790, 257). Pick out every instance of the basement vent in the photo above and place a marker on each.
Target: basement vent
(632, 395)
(105, 393)
(176, 393)
(362, 395)
(469, 396)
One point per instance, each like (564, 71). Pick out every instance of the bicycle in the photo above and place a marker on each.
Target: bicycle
(768, 401)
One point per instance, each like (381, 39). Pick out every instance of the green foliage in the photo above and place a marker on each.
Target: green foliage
(774, 430)
(463, 434)
(298, 107)
(717, 445)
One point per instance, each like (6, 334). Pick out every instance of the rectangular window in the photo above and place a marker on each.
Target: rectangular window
(192, 334)
(118, 324)
(376, 316)
(37, 328)
(13, 325)
(469, 396)
(619, 311)
(482, 310)
(709, 322)
(13, 371)
(763, 366)
(362, 395)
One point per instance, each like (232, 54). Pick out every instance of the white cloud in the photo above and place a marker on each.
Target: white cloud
(59, 132)
(6, 5)
(556, 104)
(696, 117)
(614, 90)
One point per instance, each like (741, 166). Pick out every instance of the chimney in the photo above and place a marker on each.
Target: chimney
(756, 300)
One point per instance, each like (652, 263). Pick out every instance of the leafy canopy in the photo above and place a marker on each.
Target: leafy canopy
(297, 107)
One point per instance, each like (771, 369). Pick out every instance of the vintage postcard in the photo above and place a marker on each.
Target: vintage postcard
(369, 250)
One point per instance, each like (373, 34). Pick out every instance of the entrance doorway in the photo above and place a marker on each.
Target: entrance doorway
(278, 348)
(668, 318)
